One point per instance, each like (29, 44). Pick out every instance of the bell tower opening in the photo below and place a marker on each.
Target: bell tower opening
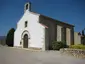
(27, 6)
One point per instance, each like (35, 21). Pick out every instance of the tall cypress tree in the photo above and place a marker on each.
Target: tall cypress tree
(82, 32)
(10, 37)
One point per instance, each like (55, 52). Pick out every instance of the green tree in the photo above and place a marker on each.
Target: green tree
(82, 32)
(83, 37)
(10, 37)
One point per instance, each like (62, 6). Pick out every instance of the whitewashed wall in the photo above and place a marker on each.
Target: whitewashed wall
(77, 38)
(36, 30)
(68, 36)
(59, 33)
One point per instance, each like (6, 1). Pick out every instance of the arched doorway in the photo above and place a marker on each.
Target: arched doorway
(25, 41)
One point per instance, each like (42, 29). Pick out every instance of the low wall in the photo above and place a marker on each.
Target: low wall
(77, 38)
(74, 52)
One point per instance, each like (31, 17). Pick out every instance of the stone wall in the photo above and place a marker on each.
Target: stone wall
(2, 40)
(79, 53)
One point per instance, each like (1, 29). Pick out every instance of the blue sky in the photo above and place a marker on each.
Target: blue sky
(70, 11)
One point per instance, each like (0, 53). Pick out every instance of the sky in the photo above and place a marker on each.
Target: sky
(69, 11)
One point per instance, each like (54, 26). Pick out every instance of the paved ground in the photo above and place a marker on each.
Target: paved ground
(19, 56)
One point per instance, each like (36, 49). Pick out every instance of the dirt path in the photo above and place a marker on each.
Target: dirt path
(19, 56)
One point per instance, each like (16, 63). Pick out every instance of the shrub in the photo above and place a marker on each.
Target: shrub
(57, 45)
(79, 46)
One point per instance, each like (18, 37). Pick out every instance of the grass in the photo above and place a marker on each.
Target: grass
(79, 46)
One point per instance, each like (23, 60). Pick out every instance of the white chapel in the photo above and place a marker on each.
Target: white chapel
(38, 31)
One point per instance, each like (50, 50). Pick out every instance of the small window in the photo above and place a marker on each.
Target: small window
(26, 6)
(25, 23)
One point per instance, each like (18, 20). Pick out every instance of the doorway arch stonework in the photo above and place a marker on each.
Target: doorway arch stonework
(25, 39)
